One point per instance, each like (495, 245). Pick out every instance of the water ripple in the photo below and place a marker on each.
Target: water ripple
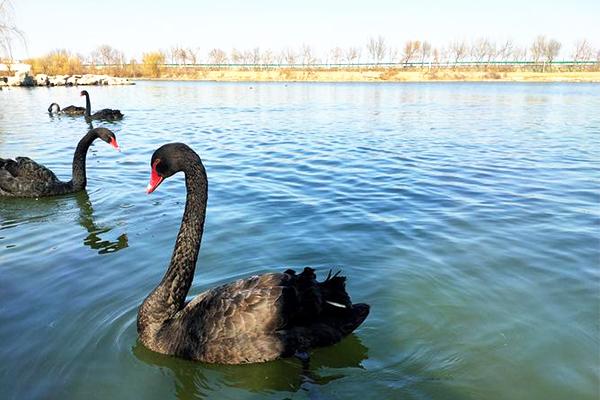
(465, 214)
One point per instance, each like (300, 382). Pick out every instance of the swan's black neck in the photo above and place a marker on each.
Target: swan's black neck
(88, 105)
(169, 296)
(79, 179)
(52, 105)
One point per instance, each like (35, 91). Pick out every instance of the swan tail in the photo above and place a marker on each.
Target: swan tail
(324, 331)
(325, 311)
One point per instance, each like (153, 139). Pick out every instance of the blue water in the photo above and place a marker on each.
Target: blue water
(466, 214)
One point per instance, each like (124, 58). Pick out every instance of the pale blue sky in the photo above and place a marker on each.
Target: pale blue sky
(137, 26)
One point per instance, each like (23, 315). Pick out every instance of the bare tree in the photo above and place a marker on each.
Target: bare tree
(280, 57)
(107, 55)
(436, 56)
(458, 50)
(8, 30)
(392, 54)
(519, 54)
(178, 55)
(237, 56)
(336, 55)
(308, 57)
(425, 51)
(410, 50)
(583, 51)
(352, 55)
(171, 54)
(505, 50)
(247, 57)
(267, 57)
(538, 48)
(255, 56)
(193, 57)
(551, 51)
(217, 56)
(376, 48)
(483, 49)
(289, 56)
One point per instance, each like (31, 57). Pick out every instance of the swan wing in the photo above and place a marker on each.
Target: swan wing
(73, 110)
(24, 176)
(107, 113)
(246, 306)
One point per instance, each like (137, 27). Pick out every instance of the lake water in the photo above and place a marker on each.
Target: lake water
(467, 216)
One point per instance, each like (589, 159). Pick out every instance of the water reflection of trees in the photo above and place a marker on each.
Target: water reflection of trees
(197, 380)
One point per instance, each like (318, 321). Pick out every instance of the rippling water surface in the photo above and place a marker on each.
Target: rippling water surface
(467, 215)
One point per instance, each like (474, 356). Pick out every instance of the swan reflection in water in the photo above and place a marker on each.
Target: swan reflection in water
(93, 240)
(197, 380)
(19, 211)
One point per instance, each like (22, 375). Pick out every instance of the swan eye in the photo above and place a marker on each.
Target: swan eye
(159, 166)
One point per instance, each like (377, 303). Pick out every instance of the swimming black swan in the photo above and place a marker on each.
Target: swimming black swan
(106, 114)
(26, 178)
(257, 319)
(69, 110)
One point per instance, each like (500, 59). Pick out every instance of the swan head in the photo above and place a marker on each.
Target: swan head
(169, 159)
(54, 108)
(108, 136)
(84, 93)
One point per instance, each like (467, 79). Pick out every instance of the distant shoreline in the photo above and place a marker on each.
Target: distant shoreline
(380, 75)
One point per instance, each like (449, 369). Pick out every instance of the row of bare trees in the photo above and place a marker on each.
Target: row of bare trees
(481, 50)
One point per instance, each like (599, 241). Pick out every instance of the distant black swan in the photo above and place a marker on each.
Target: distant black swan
(105, 114)
(70, 110)
(256, 319)
(26, 178)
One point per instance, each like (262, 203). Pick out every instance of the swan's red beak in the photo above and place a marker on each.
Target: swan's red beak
(113, 143)
(155, 180)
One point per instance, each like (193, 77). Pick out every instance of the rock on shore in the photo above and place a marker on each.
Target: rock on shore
(24, 79)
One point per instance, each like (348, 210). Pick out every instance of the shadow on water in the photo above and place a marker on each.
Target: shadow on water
(18, 211)
(197, 380)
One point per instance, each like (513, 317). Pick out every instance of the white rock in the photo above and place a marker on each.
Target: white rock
(58, 80)
(71, 81)
(41, 79)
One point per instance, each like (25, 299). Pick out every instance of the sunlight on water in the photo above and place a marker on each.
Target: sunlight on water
(467, 215)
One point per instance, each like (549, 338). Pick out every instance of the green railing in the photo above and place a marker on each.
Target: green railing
(361, 65)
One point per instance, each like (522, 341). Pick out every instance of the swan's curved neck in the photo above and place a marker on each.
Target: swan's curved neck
(79, 179)
(88, 105)
(169, 296)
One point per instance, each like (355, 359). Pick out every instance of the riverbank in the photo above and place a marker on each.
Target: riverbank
(310, 75)
(375, 75)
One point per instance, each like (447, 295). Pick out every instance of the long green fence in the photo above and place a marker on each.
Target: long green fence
(362, 65)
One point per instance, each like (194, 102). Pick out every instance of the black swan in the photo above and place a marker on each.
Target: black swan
(257, 319)
(69, 110)
(24, 177)
(105, 114)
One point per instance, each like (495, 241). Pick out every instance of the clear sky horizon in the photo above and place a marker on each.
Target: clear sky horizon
(136, 26)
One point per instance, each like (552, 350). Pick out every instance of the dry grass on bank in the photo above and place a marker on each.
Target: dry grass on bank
(378, 75)
(61, 62)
